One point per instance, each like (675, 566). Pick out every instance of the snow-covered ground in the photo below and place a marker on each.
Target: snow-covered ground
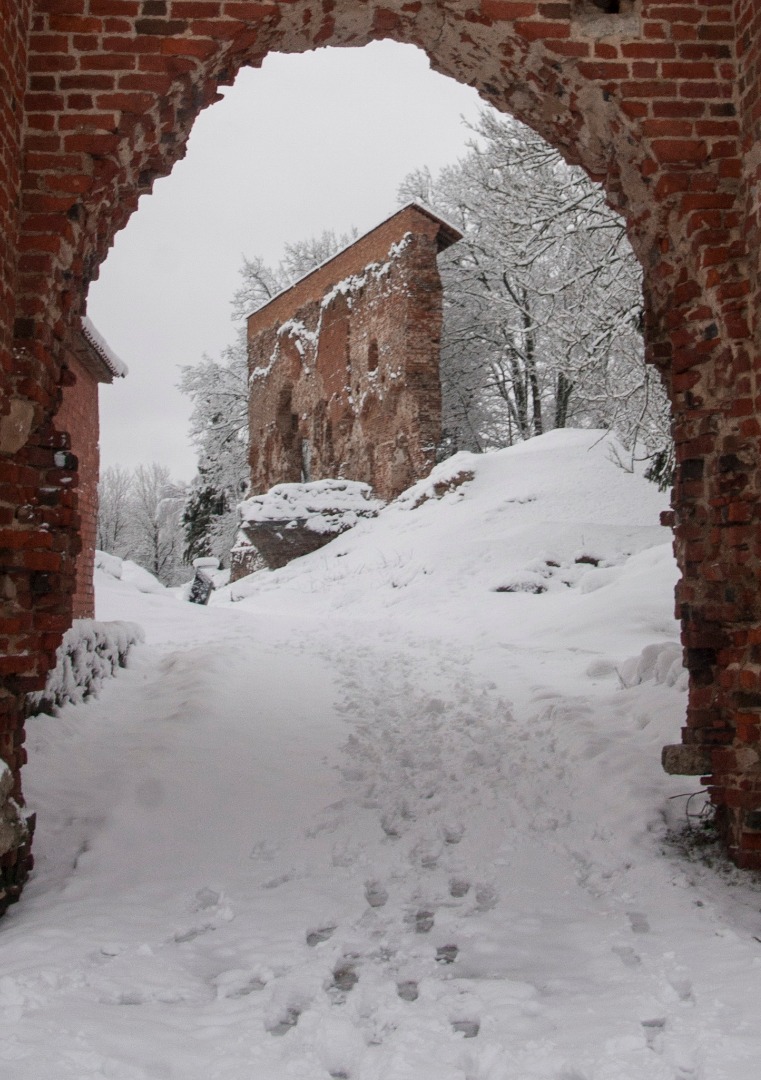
(394, 812)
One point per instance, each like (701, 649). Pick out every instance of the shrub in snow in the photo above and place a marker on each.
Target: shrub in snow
(89, 653)
(293, 519)
(526, 582)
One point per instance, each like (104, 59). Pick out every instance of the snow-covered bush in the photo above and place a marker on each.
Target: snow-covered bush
(89, 653)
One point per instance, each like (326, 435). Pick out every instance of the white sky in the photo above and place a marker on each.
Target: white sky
(306, 143)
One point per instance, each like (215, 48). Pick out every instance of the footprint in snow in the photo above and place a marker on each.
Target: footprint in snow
(654, 1030)
(638, 922)
(280, 879)
(468, 1028)
(210, 903)
(237, 983)
(453, 832)
(682, 987)
(183, 936)
(487, 897)
(426, 854)
(447, 954)
(128, 997)
(375, 893)
(408, 990)
(322, 933)
(264, 850)
(288, 1020)
(458, 887)
(345, 976)
(422, 920)
(627, 955)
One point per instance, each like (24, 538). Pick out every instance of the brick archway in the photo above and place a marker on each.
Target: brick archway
(658, 100)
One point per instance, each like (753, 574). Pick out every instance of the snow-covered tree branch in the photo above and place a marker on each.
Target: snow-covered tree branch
(543, 300)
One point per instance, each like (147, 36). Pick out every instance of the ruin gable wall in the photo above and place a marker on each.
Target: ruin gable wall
(344, 366)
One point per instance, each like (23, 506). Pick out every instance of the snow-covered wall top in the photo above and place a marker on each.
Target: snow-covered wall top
(114, 363)
(321, 506)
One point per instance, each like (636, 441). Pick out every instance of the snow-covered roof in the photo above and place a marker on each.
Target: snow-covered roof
(448, 234)
(105, 353)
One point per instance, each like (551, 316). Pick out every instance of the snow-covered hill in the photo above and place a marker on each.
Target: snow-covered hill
(393, 812)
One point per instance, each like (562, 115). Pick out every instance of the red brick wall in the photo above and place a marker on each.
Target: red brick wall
(15, 616)
(352, 371)
(78, 416)
(749, 94)
(13, 37)
(732, 544)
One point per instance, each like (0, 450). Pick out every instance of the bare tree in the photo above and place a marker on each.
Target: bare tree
(219, 392)
(157, 508)
(140, 519)
(114, 516)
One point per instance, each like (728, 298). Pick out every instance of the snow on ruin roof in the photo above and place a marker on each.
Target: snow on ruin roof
(115, 365)
(450, 234)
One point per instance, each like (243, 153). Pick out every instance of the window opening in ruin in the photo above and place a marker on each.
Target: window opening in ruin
(372, 356)
(598, 18)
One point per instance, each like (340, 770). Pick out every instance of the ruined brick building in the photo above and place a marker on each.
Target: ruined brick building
(344, 365)
(89, 363)
(658, 100)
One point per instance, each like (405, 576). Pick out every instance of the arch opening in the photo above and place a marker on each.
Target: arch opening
(660, 117)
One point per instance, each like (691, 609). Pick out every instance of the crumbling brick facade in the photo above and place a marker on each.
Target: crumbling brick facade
(78, 416)
(658, 100)
(344, 366)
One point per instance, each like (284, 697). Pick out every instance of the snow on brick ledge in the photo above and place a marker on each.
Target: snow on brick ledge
(89, 653)
(294, 519)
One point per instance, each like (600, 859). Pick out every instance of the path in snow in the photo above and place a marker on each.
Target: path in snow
(357, 863)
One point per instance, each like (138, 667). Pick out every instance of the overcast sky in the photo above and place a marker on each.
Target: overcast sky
(306, 143)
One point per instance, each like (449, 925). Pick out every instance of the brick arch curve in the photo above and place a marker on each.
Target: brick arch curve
(655, 101)
(118, 126)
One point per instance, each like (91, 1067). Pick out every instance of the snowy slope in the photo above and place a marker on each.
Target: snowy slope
(372, 816)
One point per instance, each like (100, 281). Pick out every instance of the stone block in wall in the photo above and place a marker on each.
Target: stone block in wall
(244, 558)
(203, 584)
(686, 760)
(13, 829)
